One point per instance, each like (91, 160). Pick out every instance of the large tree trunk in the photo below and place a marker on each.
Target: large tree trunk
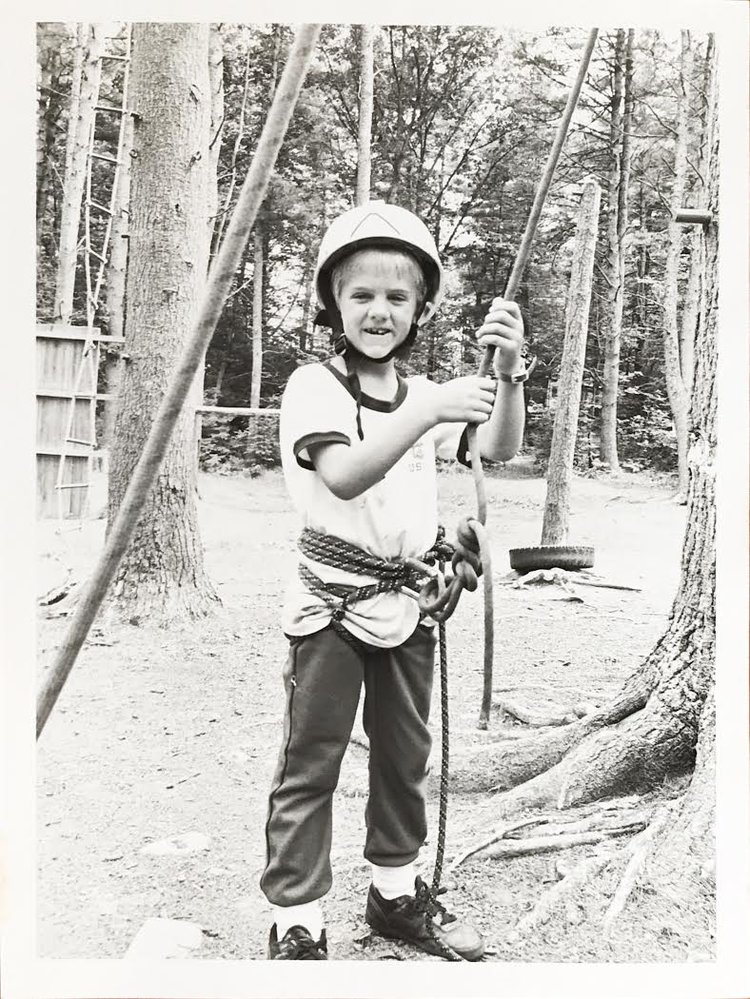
(679, 400)
(684, 854)
(562, 452)
(84, 93)
(162, 573)
(661, 725)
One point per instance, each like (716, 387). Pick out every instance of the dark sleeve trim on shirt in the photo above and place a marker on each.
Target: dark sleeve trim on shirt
(462, 451)
(327, 437)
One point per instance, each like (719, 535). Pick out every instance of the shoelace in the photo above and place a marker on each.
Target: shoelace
(300, 948)
(426, 902)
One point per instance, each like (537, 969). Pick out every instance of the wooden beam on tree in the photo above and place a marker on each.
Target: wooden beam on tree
(692, 216)
(212, 303)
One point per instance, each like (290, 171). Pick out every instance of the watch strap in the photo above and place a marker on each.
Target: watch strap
(519, 376)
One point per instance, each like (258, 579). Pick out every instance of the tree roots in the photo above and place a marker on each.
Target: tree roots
(551, 832)
(642, 744)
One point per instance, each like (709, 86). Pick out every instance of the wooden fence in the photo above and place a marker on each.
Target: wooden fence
(66, 391)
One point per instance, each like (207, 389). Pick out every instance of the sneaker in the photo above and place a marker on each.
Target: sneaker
(297, 945)
(421, 920)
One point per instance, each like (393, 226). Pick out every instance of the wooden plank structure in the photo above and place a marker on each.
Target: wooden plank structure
(66, 392)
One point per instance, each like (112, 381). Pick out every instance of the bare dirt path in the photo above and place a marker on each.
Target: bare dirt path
(160, 733)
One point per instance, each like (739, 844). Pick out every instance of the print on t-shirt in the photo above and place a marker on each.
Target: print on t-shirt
(417, 457)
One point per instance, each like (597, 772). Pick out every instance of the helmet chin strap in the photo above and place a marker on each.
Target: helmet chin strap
(351, 354)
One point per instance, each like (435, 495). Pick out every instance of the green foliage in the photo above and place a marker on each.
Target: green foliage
(540, 422)
(463, 121)
(648, 441)
(247, 444)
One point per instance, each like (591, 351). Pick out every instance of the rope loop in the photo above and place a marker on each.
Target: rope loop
(469, 559)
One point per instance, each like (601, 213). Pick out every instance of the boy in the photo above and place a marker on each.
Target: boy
(358, 444)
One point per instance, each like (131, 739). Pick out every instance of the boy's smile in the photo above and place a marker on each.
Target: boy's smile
(378, 301)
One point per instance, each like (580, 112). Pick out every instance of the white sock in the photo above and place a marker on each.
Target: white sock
(394, 881)
(309, 915)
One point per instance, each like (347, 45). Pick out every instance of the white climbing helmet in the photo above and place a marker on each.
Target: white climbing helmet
(379, 224)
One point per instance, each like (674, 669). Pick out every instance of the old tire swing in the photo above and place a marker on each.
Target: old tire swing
(551, 557)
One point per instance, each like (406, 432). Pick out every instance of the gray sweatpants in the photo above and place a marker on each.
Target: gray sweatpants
(322, 679)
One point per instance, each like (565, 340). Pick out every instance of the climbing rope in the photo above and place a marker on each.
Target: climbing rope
(437, 596)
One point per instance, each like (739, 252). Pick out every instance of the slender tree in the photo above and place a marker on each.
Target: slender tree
(257, 327)
(677, 392)
(260, 253)
(84, 93)
(560, 468)
(364, 135)
(117, 267)
(162, 572)
(617, 219)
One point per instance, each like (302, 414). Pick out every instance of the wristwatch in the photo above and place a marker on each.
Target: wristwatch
(519, 376)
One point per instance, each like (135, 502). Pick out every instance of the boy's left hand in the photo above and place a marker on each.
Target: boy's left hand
(503, 329)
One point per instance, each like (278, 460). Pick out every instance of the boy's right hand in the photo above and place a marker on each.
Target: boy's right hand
(465, 400)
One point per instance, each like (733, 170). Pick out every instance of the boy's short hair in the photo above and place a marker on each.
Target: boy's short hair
(342, 269)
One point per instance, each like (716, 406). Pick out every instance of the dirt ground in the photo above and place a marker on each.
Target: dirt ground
(162, 733)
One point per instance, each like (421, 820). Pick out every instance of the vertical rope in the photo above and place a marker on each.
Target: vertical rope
(444, 756)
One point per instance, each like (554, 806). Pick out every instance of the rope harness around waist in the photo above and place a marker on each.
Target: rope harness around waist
(436, 594)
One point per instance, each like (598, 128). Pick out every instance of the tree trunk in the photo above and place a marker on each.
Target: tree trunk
(684, 854)
(364, 139)
(616, 226)
(689, 319)
(679, 400)
(162, 573)
(689, 325)
(84, 93)
(116, 281)
(216, 124)
(222, 219)
(307, 301)
(560, 469)
(257, 332)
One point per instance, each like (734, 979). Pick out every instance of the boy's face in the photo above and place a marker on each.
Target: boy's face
(377, 298)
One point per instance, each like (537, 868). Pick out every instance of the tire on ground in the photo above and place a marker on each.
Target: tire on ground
(551, 557)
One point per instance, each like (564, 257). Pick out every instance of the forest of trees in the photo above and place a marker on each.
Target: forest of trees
(461, 123)
(462, 120)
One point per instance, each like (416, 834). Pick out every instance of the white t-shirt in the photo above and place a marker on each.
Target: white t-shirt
(396, 517)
